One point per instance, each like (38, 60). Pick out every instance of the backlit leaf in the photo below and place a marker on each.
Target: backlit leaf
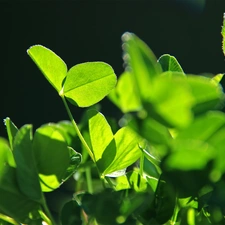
(88, 83)
(50, 64)
(170, 63)
(54, 160)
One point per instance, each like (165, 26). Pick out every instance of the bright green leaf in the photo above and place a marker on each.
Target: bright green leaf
(112, 153)
(100, 133)
(141, 61)
(189, 155)
(206, 94)
(124, 151)
(11, 131)
(217, 78)
(88, 83)
(223, 34)
(125, 95)
(170, 63)
(54, 160)
(171, 101)
(26, 171)
(50, 64)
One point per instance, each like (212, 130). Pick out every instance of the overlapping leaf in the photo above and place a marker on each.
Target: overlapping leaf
(112, 152)
(54, 160)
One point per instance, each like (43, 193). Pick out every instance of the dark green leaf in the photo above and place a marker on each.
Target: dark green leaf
(71, 214)
(27, 176)
(13, 203)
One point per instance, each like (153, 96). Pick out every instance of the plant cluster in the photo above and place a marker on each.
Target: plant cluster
(162, 163)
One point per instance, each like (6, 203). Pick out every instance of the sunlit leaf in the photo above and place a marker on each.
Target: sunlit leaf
(170, 63)
(171, 101)
(223, 34)
(100, 133)
(126, 153)
(54, 160)
(88, 83)
(206, 94)
(50, 64)
(11, 130)
(125, 95)
(142, 62)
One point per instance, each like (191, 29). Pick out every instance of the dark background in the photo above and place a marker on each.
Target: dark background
(80, 31)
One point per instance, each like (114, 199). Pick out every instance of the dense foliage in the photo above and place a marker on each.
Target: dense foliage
(161, 163)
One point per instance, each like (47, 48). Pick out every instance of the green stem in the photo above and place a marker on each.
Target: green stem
(80, 135)
(8, 219)
(89, 180)
(142, 164)
(77, 129)
(46, 215)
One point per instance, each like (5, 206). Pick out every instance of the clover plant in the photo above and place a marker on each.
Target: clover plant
(162, 164)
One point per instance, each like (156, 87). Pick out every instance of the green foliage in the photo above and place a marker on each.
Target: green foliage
(162, 164)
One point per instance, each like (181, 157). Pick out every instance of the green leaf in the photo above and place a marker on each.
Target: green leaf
(112, 152)
(170, 63)
(125, 94)
(206, 94)
(27, 176)
(223, 34)
(71, 214)
(142, 61)
(11, 131)
(50, 64)
(217, 78)
(100, 133)
(54, 160)
(171, 101)
(13, 203)
(126, 144)
(189, 155)
(88, 83)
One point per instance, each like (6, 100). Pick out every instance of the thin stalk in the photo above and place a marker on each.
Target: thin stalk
(8, 219)
(45, 218)
(77, 129)
(80, 135)
(89, 180)
(46, 215)
(142, 158)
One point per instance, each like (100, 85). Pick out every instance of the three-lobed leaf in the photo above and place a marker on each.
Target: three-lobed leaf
(84, 84)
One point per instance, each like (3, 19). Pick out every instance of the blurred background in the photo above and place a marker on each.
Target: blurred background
(81, 31)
